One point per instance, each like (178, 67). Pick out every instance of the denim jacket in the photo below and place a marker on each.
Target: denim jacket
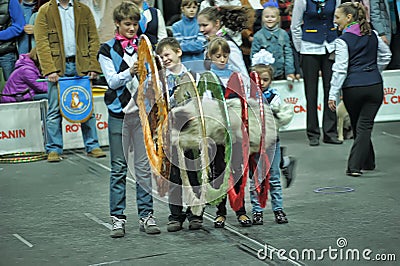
(277, 42)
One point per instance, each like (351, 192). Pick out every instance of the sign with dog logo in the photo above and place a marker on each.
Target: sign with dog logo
(75, 97)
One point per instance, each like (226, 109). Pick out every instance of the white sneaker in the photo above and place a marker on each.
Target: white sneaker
(118, 227)
(148, 225)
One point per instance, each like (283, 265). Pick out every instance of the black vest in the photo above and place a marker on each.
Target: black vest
(5, 22)
(362, 69)
(318, 28)
(152, 27)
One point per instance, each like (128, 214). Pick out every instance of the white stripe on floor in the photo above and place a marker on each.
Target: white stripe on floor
(390, 135)
(105, 263)
(129, 179)
(262, 245)
(92, 161)
(97, 220)
(206, 216)
(23, 240)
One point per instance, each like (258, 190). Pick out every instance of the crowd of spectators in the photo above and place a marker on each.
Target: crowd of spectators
(18, 18)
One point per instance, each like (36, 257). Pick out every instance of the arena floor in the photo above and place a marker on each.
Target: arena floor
(57, 214)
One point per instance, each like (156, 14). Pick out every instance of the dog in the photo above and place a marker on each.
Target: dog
(185, 127)
(343, 125)
(75, 102)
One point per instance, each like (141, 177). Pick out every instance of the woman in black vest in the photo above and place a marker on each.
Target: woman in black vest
(360, 57)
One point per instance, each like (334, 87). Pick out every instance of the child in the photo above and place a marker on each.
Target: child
(170, 52)
(218, 52)
(118, 61)
(276, 41)
(222, 21)
(187, 32)
(22, 84)
(236, 36)
(271, 95)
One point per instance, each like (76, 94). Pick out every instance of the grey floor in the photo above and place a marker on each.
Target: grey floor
(57, 214)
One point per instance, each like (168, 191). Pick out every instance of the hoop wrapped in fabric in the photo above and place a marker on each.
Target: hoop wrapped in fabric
(260, 174)
(188, 94)
(188, 134)
(235, 89)
(150, 98)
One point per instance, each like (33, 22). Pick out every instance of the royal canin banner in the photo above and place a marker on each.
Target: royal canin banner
(293, 93)
(390, 108)
(72, 134)
(21, 127)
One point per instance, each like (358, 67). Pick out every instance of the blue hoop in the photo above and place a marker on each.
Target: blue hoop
(322, 190)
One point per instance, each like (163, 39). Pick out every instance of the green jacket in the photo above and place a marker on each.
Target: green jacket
(50, 44)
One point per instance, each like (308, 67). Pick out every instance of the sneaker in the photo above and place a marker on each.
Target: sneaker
(118, 227)
(314, 142)
(258, 218)
(244, 220)
(353, 173)
(288, 171)
(148, 225)
(195, 224)
(53, 157)
(97, 153)
(174, 226)
(219, 221)
(280, 217)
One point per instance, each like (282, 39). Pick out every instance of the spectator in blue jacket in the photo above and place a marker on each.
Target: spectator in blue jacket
(276, 41)
(12, 23)
(24, 42)
(188, 34)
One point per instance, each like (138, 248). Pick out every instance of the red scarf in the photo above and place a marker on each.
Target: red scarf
(125, 42)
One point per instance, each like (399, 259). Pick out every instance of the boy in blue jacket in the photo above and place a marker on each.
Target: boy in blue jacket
(188, 34)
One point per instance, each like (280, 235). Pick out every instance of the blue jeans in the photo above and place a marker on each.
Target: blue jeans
(7, 63)
(54, 119)
(124, 136)
(275, 187)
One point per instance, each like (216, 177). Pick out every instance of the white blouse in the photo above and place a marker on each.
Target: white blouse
(341, 64)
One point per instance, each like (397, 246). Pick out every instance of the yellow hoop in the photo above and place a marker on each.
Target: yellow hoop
(153, 135)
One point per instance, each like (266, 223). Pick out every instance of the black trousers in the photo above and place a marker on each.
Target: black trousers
(311, 65)
(218, 167)
(175, 189)
(395, 48)
(362, 104)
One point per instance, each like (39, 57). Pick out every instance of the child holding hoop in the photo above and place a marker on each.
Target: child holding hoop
(118, 61)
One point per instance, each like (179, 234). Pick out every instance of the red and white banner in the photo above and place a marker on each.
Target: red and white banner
(72, 134)
(390, 108)
(293, 93)
(21, 127)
